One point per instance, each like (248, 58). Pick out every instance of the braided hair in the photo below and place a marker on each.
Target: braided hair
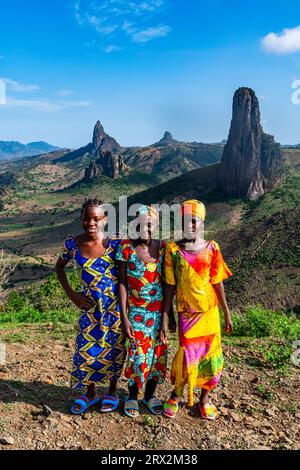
(91, 203)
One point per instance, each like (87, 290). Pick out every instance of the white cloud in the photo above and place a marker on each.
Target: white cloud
(286, 42)
(151, 33)
(65, 93)
(132, 19)
(112, 48)
(101, 25)
(45, 105)
(18, 87)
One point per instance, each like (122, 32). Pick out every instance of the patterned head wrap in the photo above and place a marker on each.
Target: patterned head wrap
(194, 208)
(149, 211)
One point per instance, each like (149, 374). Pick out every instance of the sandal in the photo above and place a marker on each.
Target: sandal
(84, 402)
(109, 400)
(152, 404)
(208, 411)
(131, 405)
(170, 408)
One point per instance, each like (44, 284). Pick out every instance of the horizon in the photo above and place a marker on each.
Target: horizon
(146, 67)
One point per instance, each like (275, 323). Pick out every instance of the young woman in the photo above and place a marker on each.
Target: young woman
(197, 269)
(141, 301)
(100, 352)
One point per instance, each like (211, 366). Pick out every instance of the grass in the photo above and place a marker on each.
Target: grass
(265, 393)
(25, 333)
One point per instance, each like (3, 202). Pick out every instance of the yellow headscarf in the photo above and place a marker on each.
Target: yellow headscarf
(194, 207)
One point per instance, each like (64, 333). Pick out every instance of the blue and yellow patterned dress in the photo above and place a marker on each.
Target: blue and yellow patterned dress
(100, 343)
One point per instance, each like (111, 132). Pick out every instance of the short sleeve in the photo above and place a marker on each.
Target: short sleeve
(169, 274)
(69, 248)
(123, 251)
(219, 270)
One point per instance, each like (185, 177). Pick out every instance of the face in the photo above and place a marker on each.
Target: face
(192, 226)
(93, 220)
(146, 226)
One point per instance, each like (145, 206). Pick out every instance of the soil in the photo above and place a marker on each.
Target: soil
(259, 406)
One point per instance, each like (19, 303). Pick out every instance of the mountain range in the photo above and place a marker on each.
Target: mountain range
(15, 149)
(164, 159)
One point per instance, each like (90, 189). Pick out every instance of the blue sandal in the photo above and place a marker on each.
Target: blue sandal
(85, 403)
(109, 400)
(152, 404)
(131, 405)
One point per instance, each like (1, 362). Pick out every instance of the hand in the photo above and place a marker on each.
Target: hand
(163, 334)
(228, 324)
(81, 301)
(128, 329)
(172, 325)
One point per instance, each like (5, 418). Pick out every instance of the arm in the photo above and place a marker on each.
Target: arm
(122, 276)
(79, 300)
(169, 291)
(219, 289)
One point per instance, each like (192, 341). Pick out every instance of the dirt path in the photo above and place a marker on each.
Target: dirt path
(260, 407)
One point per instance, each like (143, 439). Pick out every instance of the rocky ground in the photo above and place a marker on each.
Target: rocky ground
(259, 406)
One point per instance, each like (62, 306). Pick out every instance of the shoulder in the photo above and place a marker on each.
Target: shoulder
(214, 246)
(124, 250)
(70, 242)
(172, 246)
(125, 243)
(115, 243)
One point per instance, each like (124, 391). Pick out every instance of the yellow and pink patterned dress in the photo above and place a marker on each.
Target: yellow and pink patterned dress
(199, 360)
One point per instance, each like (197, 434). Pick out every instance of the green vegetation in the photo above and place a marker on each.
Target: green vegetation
(258, 322)
(40, 303)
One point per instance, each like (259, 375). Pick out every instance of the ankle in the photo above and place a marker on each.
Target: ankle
(203, 400)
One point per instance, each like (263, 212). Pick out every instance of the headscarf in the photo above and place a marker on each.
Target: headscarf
(147, 210)
(194, 208)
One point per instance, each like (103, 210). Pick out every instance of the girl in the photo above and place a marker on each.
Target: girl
(100, 352)
(141, 301)
(197, 269)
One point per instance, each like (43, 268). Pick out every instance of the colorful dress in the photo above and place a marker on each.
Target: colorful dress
(199, 359)
(147, 355)
(100, 343)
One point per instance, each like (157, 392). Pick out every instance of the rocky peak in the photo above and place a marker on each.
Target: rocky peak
(108, 164)
(102, 141)
(252, 161)
(166, 140)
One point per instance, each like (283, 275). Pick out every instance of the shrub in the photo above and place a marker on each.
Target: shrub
(261, 323)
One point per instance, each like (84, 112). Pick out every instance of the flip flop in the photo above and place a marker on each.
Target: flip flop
(152, 404)
(208, 411)
(85, 403)
(109, 400)
(131, 405)
(170, 408)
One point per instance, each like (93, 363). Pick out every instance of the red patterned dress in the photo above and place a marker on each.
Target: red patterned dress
(147, 355)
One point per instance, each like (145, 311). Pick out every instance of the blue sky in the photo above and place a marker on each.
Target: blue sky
(145, 66)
